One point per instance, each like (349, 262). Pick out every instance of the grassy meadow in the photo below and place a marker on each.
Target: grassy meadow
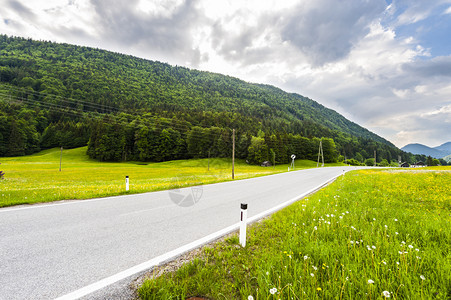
(36, 178)
(372, 234)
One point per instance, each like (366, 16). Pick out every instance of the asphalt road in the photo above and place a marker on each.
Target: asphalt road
(50, 250)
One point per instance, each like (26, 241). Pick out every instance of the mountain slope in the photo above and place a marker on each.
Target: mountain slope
(128, 83)
(446, 147)
(428, 151)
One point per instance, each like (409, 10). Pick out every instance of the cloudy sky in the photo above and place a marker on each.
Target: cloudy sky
(383, 64)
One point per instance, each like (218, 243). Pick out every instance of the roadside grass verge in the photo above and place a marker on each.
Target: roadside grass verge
(372, 234)
(36, 178)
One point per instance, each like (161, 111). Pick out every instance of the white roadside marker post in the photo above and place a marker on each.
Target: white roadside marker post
(127, 185)
(243, 225)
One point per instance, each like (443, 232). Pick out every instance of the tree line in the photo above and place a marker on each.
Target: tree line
(158, 139)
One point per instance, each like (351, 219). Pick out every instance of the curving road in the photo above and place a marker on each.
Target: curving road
(76, 249)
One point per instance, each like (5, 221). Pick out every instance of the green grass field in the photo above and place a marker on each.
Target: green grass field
(372, 234)
(36, 178)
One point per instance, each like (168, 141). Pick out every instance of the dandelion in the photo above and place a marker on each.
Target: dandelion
(422, 277)
(386, 294)
(267, 273)
(318, 289)
(403, 242)
(396, 233)
(273, 291)
(311, 274)
(417, 250)
(250, 297)
(315, 228)
(410, 246)
(315, 268)
(386, 226)
(374, 219)
(374, 247)
(305, 257)
(370, 281)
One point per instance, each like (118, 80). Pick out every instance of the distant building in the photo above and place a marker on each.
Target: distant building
(419, 165)
(404, 165)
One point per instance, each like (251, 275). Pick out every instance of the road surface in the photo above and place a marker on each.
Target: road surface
(51, 250)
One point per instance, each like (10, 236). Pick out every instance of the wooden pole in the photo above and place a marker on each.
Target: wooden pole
(233, 154)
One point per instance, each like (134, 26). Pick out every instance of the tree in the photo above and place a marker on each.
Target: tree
(329, 150)
(384, 163)
(358, 157)
(17, 139)
(369, 162)
(258, 150)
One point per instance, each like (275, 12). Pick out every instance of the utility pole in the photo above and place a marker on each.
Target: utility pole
(374, 157)
(233, 154)
(320, 152)
(61, 157)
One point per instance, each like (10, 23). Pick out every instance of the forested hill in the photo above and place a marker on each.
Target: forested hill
(64, 83)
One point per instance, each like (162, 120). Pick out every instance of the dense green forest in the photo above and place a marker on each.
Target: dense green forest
(127, 108)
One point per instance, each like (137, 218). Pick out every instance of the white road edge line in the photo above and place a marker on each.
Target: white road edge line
(181, 250)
